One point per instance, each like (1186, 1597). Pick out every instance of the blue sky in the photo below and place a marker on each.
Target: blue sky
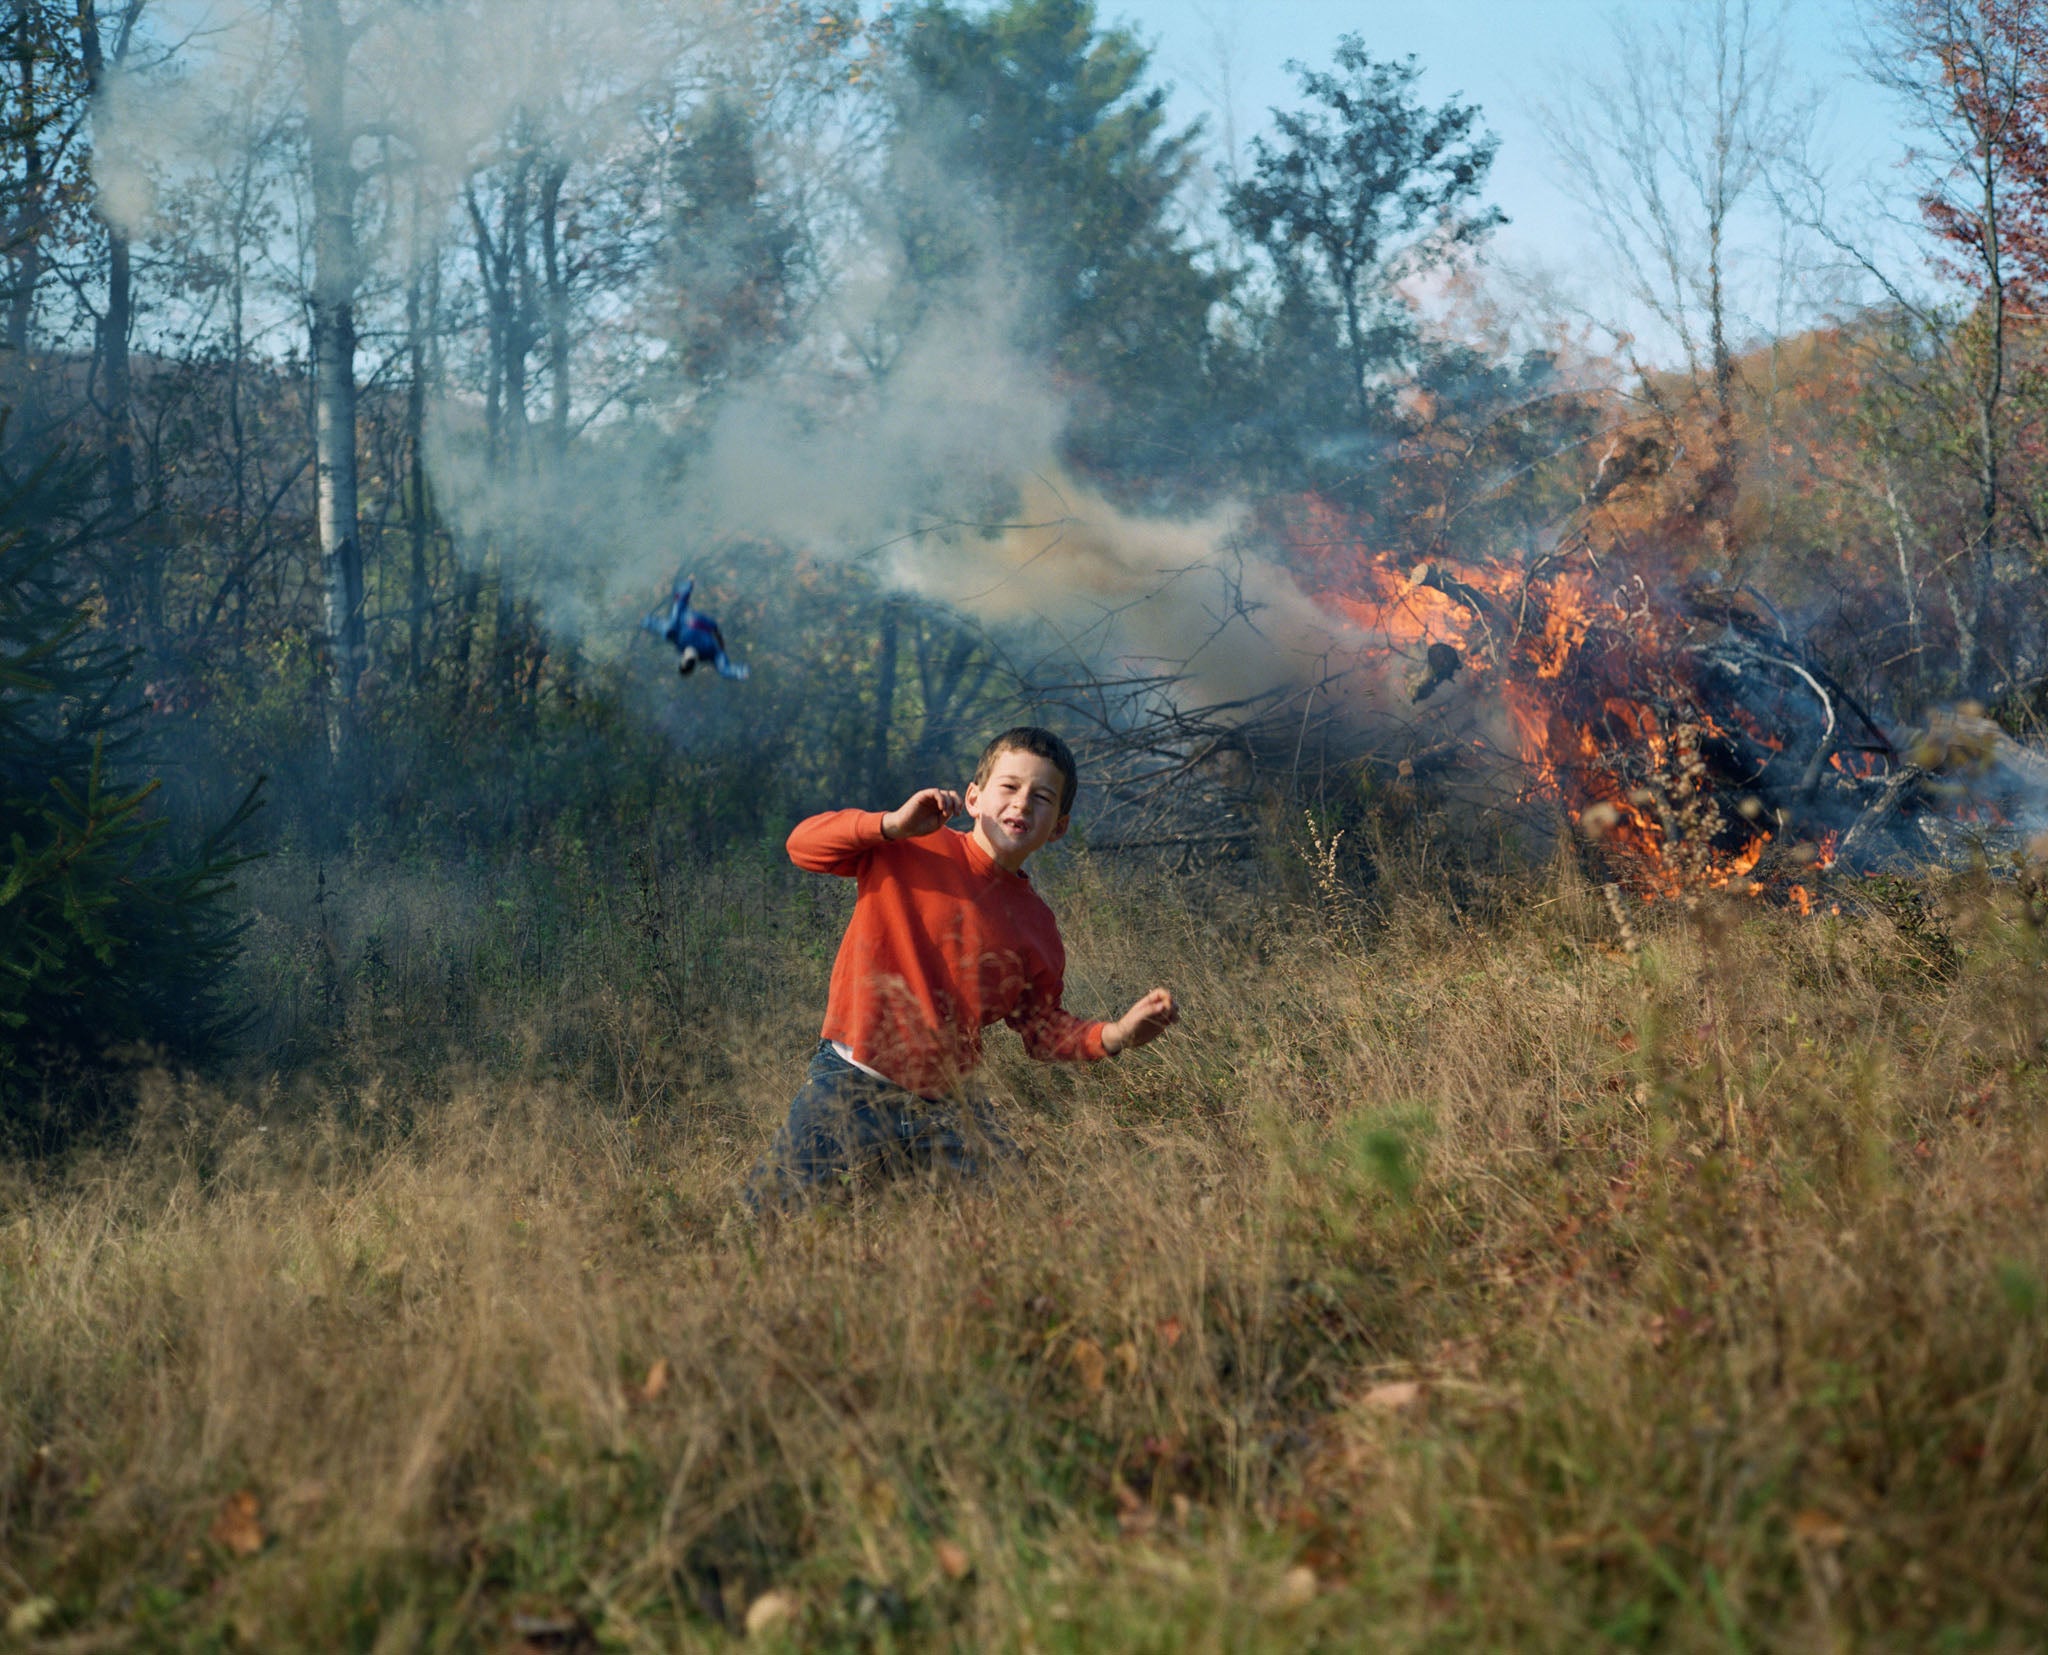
(1508, 56)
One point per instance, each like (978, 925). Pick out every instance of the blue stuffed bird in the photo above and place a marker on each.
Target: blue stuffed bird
(695, 635)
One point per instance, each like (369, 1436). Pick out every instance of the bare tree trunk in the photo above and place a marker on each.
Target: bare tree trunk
(144, 578)
(417, 521)
(556, 276)
(519, 312)
(420, 305)
(326, 42)
(1976, 582)
(1354, 341)
(1907, 584)
(503, 266)
(1720, 485)
(25, 236)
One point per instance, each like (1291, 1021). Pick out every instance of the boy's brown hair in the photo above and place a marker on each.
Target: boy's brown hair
(1029, 738)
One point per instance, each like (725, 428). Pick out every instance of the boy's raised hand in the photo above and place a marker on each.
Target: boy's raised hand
(1149, 1017)
(925, 811)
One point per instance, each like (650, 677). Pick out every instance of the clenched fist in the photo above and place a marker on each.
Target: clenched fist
(1149, 1018)
(925, 811)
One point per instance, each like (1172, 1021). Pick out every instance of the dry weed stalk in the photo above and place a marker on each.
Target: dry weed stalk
(1624, 927)
(1323, 863)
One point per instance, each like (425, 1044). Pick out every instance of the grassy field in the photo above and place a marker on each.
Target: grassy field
(1453, 1278)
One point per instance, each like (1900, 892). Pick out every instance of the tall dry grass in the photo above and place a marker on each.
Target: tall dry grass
(1446, 1281)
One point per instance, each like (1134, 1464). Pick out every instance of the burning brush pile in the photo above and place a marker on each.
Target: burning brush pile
(1687, 732)
(1684, 730)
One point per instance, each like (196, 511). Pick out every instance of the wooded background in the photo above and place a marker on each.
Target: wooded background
(368, 365)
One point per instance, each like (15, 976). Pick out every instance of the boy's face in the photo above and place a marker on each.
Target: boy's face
(1017, 810)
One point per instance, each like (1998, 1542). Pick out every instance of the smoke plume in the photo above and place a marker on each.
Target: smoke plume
(936, 472)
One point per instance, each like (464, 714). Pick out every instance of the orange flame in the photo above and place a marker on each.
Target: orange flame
(1580, 677)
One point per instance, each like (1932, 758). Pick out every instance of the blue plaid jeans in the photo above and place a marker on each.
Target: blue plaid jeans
(847, 1127)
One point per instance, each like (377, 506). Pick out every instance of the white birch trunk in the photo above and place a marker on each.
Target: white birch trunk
(325, 41)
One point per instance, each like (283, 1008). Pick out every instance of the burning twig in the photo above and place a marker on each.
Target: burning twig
(1439, 579)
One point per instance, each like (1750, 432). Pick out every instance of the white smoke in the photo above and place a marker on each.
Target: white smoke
(942, 476)
(938, 473)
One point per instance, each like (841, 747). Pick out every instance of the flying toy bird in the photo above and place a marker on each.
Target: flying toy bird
(695, 635)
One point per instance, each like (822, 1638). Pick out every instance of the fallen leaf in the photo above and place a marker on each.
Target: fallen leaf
(236, 1526)
(1089, 1362)
(1394, 1394)
(953, 1559)
(1817, 1528)
(1126, 1355)
(769, 1611)
(658, 1375)
(1170, 1332)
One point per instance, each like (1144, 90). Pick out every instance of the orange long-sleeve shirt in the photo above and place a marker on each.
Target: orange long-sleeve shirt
(943, 942)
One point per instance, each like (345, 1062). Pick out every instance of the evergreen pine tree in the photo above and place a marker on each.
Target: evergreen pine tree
(1027, 136)
(112, 939)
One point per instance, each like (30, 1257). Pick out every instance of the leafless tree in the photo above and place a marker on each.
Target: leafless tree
(327, 41)
(1670, 157)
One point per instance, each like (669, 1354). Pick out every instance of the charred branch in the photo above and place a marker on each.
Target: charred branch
(1441, 663)
(1492, 617)
(1903, 784)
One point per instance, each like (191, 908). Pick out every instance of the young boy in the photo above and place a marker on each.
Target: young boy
(947, 937)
